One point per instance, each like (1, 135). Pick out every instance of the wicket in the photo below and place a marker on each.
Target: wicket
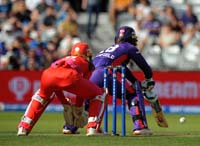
(114, 99)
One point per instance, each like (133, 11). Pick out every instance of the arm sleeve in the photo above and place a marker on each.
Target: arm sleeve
(136, 56)
(130, 76)
(91, 68)
(87, 75)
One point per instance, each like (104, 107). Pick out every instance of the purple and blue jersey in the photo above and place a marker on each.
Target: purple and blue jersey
(118, 54)
(121, 54)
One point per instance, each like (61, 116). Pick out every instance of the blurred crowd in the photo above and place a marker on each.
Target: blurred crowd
(34, 33)
(168, 31)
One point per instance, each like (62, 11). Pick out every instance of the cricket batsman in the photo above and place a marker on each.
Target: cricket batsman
(68, 74)
(119, 54)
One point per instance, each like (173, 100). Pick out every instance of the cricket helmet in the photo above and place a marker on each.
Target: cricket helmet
(81, 49)
(126, 34)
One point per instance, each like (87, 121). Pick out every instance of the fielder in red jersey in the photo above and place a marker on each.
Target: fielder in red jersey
(68, 74)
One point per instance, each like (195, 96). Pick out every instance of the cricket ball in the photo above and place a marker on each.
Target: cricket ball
(182, 120)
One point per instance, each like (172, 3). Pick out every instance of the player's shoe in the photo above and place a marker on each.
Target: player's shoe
(144, 131)
(93, 132)
(22, 131)
(70, 130)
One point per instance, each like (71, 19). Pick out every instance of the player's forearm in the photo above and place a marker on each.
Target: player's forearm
(130, 76)
(143, 65)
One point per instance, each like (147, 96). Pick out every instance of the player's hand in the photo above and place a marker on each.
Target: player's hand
(148, 84)
(150, 96)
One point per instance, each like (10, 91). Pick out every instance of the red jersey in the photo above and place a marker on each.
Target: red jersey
(80, 64)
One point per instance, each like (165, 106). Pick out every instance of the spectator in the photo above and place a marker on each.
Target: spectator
(188, 16)
(142, 9)
(7, 33)
(170, 16)
(36, 19)
(21, 13)
(32, 4)
(66, 43)
(68, 33)
(64, 12)
(31, 62)
(93, 7)
(49, 53)
(5, 8)
(16, 53)
(153, 26)
(69, 24)
(41, 7)
(118, 11)
(171, 39)
(191, 36)
(48, 30)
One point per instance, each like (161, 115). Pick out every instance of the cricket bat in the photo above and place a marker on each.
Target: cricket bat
(158, 114)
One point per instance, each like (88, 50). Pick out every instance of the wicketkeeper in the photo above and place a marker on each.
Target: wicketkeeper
(69, 74)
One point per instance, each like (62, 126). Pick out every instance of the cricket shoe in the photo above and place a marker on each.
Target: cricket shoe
(70, 130)
(145, 131)
(22, 131)
(94, 132)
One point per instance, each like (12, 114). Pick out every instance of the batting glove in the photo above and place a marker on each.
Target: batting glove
(148, 84)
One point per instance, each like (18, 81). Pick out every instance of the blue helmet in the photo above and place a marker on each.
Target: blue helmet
(126, 34)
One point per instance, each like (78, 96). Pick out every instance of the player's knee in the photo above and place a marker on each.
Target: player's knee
(101, 97)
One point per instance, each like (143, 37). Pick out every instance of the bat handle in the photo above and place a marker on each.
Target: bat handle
(156, 105)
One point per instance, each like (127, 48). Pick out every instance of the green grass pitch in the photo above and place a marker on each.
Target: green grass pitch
(47, 132)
